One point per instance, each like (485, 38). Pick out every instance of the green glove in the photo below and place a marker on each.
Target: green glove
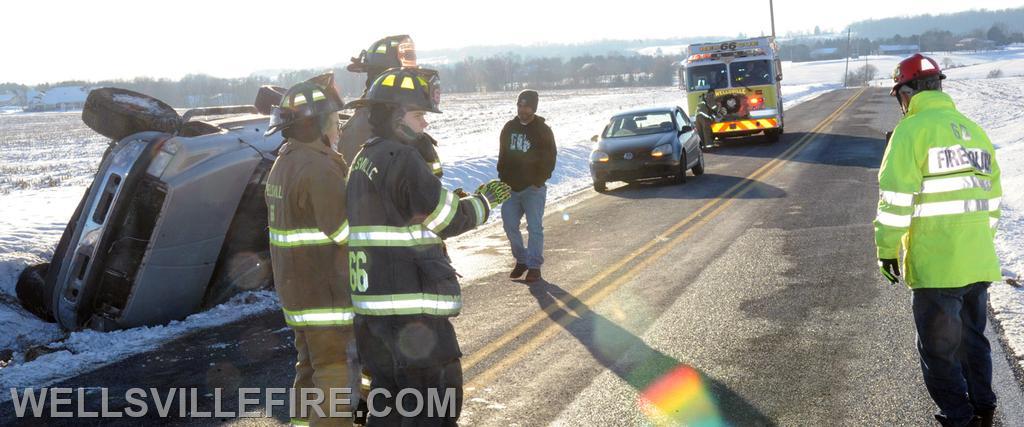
(495, 191)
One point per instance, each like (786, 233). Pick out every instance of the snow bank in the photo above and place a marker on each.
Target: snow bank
(87, 350)
(995, 105)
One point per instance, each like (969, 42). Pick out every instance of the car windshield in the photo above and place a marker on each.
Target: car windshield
(639, 124)
(749, 73)
(706, 77)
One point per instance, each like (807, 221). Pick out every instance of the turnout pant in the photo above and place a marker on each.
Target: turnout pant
(956, 359)
(416, 375)
(704, 127)
(322, 365)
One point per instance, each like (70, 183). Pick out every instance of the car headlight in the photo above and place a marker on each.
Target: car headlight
(163, 158)
(662, 150)
(598, 157)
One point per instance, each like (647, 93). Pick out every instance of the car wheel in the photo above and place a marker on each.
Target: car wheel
(600, 187)
(698, 169)
(31, 290)
(681, 173)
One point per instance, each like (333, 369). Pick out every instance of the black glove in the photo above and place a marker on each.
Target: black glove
(890, 268)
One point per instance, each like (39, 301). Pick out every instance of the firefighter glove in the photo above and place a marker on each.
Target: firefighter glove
(495, 191)
(890, 268)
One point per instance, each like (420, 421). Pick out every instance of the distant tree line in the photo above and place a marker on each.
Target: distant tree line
(511, 72)
(799, 50)
(499, 72)
(1010, 20)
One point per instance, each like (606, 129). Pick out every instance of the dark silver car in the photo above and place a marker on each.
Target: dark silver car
(647, 143)
(174, 221)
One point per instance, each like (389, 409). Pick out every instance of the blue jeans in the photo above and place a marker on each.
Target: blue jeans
(956, 359)
(529, 202)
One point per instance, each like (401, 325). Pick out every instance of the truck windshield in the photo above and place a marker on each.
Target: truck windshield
(639, 124)
(749, 73)
(704, 77)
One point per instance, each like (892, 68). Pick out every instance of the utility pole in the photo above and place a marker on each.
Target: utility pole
(846, 74)
(771, 9)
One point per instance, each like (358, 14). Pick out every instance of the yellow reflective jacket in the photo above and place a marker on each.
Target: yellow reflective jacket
(939, 197)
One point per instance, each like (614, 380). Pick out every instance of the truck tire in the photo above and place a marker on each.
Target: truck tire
(31, 291)
(117, 113)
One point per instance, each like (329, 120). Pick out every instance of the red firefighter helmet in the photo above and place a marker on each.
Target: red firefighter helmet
(915, 67)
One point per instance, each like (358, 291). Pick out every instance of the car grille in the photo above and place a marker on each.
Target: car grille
(636, 155)
(128, 247)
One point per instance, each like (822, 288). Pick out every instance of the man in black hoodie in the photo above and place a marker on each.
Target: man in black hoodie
(525, 162)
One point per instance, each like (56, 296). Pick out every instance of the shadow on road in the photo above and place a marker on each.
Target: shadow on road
(707, 186)
(841, 149)
(670, 392)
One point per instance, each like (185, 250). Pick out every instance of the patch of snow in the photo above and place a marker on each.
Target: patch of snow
(994, 104)
(87, 350)
(147, 104)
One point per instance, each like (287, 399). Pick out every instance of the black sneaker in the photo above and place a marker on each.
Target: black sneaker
(518, 271)
(533, 275)
(987, 416)
(945, 422)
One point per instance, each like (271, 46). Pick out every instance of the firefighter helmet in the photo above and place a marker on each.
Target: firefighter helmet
(416, 89)
(315, 97)
(913, 68)
(388, 52)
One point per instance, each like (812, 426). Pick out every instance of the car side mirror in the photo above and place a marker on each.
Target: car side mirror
(686, 128)
(593, 138)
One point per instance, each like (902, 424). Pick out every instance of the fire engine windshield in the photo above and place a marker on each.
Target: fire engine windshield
(704, 77)
(749, 73)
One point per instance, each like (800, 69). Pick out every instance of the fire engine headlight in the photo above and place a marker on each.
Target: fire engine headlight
(598, 156)
(662, 150)
(163, 158)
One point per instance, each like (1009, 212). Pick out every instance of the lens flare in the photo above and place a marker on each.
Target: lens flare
(680, 398)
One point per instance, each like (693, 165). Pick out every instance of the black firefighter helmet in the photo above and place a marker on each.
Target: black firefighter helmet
(415, 89)
(386, 53)
(316, 97)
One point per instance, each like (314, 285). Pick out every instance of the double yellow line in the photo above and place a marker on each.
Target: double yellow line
(700, 217)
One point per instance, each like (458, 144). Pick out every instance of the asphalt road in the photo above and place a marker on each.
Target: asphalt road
(747, 296)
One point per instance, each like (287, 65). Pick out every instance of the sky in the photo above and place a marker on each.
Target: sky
(47, 40)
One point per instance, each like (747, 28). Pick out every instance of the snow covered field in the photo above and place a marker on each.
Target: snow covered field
(995, 105)
(46, 159)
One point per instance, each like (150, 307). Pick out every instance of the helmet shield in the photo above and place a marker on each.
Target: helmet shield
(314, 97)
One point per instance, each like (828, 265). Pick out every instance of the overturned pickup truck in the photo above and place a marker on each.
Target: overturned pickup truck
(174, 221)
